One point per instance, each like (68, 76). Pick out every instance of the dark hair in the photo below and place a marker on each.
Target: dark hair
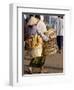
(60, 17)
(31, 15)
(30, 26)
(37, 16)
(26, 20)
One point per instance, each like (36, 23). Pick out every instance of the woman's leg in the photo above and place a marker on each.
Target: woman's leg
(30, 65)
(60, 43)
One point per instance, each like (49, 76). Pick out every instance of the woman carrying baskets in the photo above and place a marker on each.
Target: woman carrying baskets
(34, 42)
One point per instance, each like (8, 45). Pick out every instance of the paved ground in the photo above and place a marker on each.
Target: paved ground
(53, 64)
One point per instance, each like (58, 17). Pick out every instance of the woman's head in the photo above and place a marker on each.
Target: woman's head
(32, 21)
(37, 16)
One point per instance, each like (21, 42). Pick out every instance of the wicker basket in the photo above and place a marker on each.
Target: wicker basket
(50, 46)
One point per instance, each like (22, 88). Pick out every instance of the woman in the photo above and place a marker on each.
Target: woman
(33, 41)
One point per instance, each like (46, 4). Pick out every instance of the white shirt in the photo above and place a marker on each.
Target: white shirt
(59, 27)
(41, 26)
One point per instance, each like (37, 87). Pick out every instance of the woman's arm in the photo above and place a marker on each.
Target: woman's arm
(44, 37)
